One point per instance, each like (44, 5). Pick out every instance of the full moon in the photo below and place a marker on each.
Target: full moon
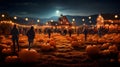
(57, 11)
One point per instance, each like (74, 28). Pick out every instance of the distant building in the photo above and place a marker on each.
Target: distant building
(63, 22)
(110, 21)
(5, 23)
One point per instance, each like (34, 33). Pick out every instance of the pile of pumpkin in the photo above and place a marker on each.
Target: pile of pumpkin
(45, 43)
(105, 51)
(24, 56)
(76, 41)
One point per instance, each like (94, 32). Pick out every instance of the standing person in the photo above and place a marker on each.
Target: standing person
(85, 31)
(65, 31)
(31, 36)
(100, 31)
(15, 38)
(78, 31)
(70, 31)
(49, 32)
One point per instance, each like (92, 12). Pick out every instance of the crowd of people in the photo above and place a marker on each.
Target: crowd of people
(30, 33)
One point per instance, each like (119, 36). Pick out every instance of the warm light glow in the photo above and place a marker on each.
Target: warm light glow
(90, 21)
(116, 16)
(111, 21)
(84, 24)
(61, 22)
(51, 20)
(26, 19)
(73, 19)
(83, 19)
(3, 15)
(38, 20)
(73, 27)
(15, 17)
(66, 27)
(46, 23)
(89, 17)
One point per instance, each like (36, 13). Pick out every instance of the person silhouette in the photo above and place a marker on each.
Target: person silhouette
(49, 32)
(15, 38)
(100, 31)
(65, 31)
(70, 31)
(85, 31)
(31, 36)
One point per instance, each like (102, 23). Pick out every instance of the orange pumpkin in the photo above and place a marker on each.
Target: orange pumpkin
(6, 51)
(105, 52)
(105, 45)
(47, 47)
(113, 49)
(27, 56)
(41, 40)
(74, 44)
(52, 43)
(92, 50)
(11, 59)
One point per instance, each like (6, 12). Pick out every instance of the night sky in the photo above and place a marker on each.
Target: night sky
(48, 8)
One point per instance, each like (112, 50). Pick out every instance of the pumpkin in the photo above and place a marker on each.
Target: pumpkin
(46, 47)
(2, 37)
(92, 50)
(10, 37)
(74, 44)
(8, 42)
(74, 38)
(112, 60)
(105, 52)
(119, 60)
(40, 40)
(69, 38)
(52, 43)
(113, 49)
(27, 56)
(20, 35)
(22, 40)
(3, 41)
(11, 59)
(6, 51)
(105, 46)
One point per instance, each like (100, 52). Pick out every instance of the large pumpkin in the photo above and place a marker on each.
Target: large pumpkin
(27, 56)
(92, 51)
